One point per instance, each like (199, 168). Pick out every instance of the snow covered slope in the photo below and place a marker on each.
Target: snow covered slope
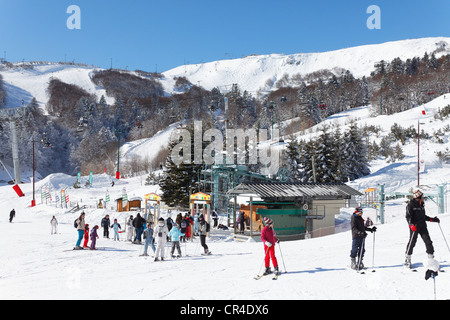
(24, 84)
(252, 72)
(38, 265)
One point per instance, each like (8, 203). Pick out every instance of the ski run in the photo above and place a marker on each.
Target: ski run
(39, 265)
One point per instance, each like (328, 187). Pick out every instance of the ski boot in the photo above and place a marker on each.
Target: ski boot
(407, 262)
(267, 271)
(276, 271)
(353, 264)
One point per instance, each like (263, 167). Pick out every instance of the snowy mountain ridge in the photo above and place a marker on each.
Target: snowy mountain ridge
(261, 72)
(255, 73)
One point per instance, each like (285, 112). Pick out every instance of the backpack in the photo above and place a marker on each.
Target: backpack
(75, 224)
(183, 224)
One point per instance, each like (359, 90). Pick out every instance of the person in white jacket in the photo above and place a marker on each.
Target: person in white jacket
(160, 234)
(130, 229)
(54, 224)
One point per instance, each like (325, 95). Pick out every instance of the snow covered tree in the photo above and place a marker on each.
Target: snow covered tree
(179, 181)
(324, 165)
(291, 158)
(356, 162)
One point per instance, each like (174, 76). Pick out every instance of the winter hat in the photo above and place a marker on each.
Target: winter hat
(267, 221)
(358, 210)
(418, 194)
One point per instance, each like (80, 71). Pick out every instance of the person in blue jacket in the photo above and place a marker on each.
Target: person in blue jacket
(175, 235)
(116, 226)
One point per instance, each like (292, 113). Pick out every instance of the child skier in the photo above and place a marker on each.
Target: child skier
(175, 235)
(358, 239)
(161, 233)
(148, 236)
(268, 237)
(116, 226)
(86, 236)
(94, 237)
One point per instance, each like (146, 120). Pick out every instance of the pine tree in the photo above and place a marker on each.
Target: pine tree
(323, 157)
(337, 156)
(356, 163)
(291, 160)
(307, 161)
(179, 181)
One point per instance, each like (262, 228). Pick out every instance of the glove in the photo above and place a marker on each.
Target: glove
(413, 228)
(268, 244)
(374, 229)
(435, 219)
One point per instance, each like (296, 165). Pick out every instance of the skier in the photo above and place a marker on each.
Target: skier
(268, 237)
(116, 226)
(183, 228)
(358, 238)
(54, 224)
(203, 229)
(80, 229)
(215, 218)
(138, 224)
(161, 233)
(94, 237)
(195, 224)
(416, 218)
(86, 235)
(189, 222)
(175, 235)
(130, 229)
(12, 214)
(105, 225)
(240, 221)
(149, 241)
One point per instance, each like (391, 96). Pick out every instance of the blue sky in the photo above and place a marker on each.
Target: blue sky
(159, 35)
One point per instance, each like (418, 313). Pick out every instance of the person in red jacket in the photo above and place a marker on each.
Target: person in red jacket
(86, 236)
(268, 238)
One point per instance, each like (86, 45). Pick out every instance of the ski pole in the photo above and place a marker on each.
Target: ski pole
(410, 242)
(444, 237)
(282, 259)
(360, 254)
(434, 281)
(373, 252)
(267, 250)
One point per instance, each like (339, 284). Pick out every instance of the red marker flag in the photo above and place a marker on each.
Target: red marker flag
(422, 109)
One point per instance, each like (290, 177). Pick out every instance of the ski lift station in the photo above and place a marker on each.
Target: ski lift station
(298, 210)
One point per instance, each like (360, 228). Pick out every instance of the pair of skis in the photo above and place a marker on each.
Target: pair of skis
(275, 277)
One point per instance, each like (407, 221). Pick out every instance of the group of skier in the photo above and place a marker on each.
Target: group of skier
(163, 231)
(172, 231)
(416, 218)
(83, 232)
